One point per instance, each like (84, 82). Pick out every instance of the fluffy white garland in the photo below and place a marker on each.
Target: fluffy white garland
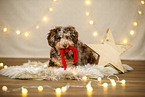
(40, 71)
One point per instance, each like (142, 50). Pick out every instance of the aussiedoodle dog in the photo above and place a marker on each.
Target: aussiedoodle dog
(63, 37)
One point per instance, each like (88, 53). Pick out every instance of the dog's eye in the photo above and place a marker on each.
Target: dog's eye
(58, 37)
(67, 37)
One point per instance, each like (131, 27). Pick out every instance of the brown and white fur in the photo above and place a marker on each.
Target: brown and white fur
(63, 37)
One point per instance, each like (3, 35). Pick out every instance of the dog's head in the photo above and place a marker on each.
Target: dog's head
(62, 37)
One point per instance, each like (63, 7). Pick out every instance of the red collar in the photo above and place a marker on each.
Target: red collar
(63, 51)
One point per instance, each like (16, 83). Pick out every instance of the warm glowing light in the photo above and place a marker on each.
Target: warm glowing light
(131, 32)
(114, 84)
(135, 23)
(99, 79)
(18, 32)
(105, 85)
(45, 19)
(95, 34)
(91, 22)
(26, 34)
(102, 41)
(58, 90)
(54, 0)
(37, 27)
(1, 64)
(4, 88)
(45, 65)
(50, 9)
(89, 89)
(84, 78)
(139, 12)
(64, 89)
(87, 13)
(125, 41)
(24, 91)
(123, 81)
(112, 80)
(142, 1)
(5, 66)
(88, 2)
(40, 88)
(5, 29)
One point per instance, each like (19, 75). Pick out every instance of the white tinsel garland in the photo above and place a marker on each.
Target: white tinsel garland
(38, 70)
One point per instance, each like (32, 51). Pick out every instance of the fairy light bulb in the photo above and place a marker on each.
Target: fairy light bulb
(87, 13)
(84, 78)
(64, 89)
(89, 89)
(5, 29)
(112, 80)
(125, 41)
(4, 88)
(45, 65)
(37, 27)
(24, 91)
(26, 34)
(140, 12)
(142, 1)
(91, 22)
(105, 85)
(95, 34)
(88, 2)
(18, 32)
(123, 81)
(40, 88)
(44, 19)
(1, 64)
(131, 32)
(58, 90)
(5, 66)
(50, 9)
(99, 79)
(114, 84)
(102, 41)
(135, 23)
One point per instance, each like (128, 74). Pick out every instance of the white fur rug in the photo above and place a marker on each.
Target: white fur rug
(40, 71)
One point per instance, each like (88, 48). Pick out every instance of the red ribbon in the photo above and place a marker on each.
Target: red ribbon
(63, 51)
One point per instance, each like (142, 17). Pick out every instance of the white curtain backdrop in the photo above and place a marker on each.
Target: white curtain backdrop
(25, 15)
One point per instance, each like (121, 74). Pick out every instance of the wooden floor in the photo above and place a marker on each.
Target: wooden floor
(134, 87)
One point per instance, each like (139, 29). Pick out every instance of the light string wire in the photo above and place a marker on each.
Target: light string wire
(67, 86)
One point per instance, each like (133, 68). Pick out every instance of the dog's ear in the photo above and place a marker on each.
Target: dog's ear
(74, 34)
(50, 37)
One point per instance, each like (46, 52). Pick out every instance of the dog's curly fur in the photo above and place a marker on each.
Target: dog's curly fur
(63, 37)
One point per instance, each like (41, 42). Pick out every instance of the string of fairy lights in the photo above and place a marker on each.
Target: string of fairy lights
(91, 22)
(26, 34)
(135, 23)
(60, 90)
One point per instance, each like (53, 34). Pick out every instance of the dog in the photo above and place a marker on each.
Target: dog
(63, 37)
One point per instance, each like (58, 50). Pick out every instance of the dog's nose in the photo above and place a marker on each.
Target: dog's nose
(65, 45)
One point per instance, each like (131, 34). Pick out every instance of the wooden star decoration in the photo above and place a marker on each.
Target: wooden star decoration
(109, 52)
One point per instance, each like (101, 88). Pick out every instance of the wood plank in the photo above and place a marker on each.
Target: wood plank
(134, 87)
